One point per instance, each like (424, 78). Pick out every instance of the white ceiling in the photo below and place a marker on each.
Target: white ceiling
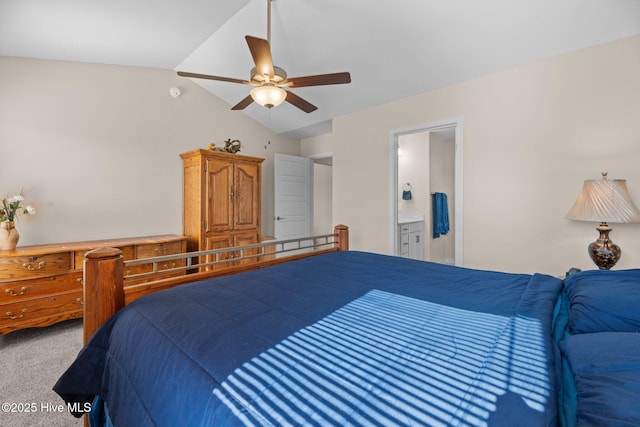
(393, 50)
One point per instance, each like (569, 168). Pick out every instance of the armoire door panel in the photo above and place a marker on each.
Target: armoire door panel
(219, 242)
(244, 239)
(220, 196)
(247, 180)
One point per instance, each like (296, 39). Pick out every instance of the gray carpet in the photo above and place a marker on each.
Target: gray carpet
(31, 360)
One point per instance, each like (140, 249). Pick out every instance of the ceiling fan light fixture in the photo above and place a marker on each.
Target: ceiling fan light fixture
(268, 95)
(268, 79)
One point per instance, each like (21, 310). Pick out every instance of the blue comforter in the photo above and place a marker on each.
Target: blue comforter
(346, 338)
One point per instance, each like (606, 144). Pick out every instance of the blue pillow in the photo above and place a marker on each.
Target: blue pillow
(604, 301)
(606, 370)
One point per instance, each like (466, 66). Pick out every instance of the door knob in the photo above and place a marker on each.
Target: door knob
(279, 218)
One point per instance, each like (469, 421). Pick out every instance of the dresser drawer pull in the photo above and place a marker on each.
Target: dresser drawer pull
(167, 266)
(13, 294)
(79, 301)
(13, 316)
(161, 251)
(32, 267)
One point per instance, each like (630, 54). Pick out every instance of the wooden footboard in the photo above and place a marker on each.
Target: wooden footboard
(105, 280)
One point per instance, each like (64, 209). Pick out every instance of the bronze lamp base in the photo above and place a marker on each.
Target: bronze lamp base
(604, 253)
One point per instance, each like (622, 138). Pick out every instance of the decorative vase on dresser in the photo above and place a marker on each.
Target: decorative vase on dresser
(8, 235)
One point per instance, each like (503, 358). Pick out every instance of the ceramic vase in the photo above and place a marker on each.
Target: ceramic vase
(8, 235)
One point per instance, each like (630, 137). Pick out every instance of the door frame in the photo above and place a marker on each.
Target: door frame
(394, 134)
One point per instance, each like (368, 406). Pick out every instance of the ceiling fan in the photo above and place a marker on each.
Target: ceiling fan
(269, 80)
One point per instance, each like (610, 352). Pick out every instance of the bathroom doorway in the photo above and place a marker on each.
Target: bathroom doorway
(426, 170)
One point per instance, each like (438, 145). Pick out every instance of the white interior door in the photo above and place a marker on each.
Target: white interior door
(293, 192)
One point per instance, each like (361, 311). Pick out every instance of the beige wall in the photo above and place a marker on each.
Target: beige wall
(322, 199)
(97, 147)
(531, 136)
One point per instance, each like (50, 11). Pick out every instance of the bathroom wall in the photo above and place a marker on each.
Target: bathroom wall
(441, 177)
(413, 161)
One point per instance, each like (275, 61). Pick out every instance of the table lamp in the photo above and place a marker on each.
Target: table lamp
(604, 201)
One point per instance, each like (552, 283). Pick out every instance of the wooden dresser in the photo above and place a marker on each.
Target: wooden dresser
(42, 284)
(221, 199)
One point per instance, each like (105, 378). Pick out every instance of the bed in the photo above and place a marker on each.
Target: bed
(338, 338)
(600, 349)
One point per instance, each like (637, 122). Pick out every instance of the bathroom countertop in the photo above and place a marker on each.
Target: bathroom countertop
(405, 218)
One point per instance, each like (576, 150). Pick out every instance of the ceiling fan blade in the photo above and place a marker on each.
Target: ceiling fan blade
(208, 77)
(302, 104)
(320, 80)
(243, 104)
(261, 53)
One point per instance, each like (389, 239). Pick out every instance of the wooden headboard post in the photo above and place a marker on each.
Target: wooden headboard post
(341, 240)
(103, 287)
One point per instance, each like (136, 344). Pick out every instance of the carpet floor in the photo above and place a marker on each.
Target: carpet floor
(31, 361)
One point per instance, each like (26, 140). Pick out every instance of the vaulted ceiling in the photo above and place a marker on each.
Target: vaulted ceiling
(393, 49)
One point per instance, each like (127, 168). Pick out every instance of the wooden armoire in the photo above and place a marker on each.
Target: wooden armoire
(221, 199)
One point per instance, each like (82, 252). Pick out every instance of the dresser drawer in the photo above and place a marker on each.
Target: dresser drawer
(127, 254)
(148, 268)
(158, 249)
(29, 267)
(67, 304)
(152, 250)
(32, 288)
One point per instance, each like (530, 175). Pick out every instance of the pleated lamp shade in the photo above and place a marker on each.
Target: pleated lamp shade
(604, 200)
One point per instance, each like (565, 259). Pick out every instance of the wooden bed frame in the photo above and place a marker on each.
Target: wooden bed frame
(105, 284)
